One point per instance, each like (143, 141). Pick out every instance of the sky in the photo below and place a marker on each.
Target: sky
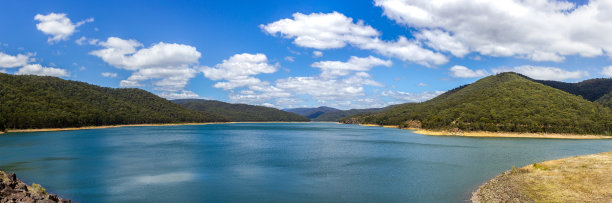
(288, 54)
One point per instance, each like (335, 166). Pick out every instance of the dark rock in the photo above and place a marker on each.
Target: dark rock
(13, 190)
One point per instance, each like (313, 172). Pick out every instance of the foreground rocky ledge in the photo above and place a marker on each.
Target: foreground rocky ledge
(13, 190)
(576, 179)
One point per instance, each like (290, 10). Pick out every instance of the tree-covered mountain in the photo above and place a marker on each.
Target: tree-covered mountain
(606, 100)
(337, 115)
(591, 89)
(503, 102)
(312, 113)
(48, 102)
(239, 112)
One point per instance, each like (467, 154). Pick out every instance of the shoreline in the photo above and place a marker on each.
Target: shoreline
(497, 134)
(131, 125)
(583, 178)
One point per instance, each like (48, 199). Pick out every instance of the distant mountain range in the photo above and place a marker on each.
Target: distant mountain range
(506, 102)
(312, 113)
(239, 112)
(324, 113)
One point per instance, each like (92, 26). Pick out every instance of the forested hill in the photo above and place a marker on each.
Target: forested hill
(48, 102)
(591, 90)
(337, 115)
(502, 102)
(240, 112)
(312, 113)
(606, 100)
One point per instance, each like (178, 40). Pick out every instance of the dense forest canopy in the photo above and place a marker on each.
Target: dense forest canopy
(48, 102)
(239, 112)
(591, 89)
(503, 102)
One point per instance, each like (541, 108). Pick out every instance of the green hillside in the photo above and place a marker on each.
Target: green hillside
(503, 102)
(606, 100)
(48, 102)
(240, 112)
(590, 90)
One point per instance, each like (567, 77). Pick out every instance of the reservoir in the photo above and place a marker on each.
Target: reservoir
(270, 162)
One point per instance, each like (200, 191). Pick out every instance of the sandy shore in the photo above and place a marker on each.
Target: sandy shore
(496, 134)
(575, 179)
(101, 127)
(129, 125)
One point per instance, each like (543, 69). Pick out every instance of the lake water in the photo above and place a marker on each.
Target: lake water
(270, 162)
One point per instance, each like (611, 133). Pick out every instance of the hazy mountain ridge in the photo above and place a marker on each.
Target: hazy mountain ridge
(239, 112)
(311, 113)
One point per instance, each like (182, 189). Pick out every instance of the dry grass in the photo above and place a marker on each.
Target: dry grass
(100, 127)
(576, 179)
(510, 134)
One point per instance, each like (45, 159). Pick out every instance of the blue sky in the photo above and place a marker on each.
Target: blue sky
(344, 54)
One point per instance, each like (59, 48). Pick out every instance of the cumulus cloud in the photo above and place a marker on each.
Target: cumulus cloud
(335, 30)
(58, 26)
(607, 71)
(544, 73)
(238, 69)
(109, 75)
(289, 58)
(403, 97)
(317, 54)
(338, 80)
(183, 94)
(9, 61)
(464, 72)
(544, 30)
(168, 65)
(331, 69)
(37, 69)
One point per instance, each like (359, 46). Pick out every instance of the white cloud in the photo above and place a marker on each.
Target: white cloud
(464, 72)
(109, 75)
(9, 61)
(37, 69)
(238, 69)
(543, 30)
(544, 73)
(168, 65)
(403, 97)
(422, 84)
(183, 94)
(58, 26)
(334, 30)
(289, 58)
(317, 54)
(607, 71)
(328, 89)
(321, 30)
(332, 69)
(84, 41)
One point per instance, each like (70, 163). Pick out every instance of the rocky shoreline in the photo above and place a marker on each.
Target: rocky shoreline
(13, 190)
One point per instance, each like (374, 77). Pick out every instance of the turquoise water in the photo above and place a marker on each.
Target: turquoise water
(283, 162)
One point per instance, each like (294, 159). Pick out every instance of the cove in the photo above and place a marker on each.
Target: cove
(270, 162)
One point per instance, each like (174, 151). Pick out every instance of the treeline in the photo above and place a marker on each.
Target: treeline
(49, 102)
(504, 102)
(239, 112)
